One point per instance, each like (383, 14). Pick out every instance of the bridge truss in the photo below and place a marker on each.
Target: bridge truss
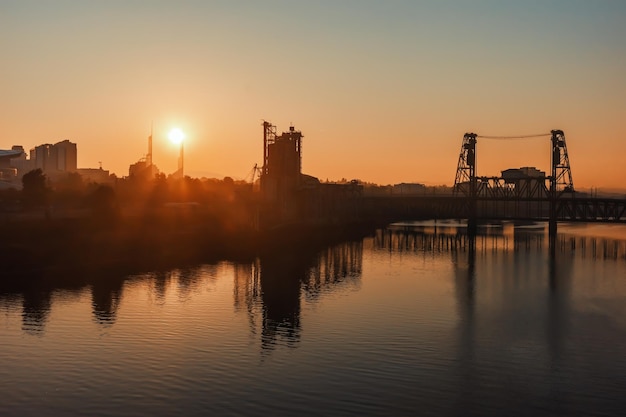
(560, 181)
(534, 197)
(592, 210)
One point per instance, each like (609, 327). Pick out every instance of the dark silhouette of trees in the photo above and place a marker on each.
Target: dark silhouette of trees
(71, 181)
(68, 190)
(34, 190)
(104, 206)
(160, 191)
(9, 199)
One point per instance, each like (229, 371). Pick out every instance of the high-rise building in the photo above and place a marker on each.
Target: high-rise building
(40, 155)
(52, 159)
(64, 156)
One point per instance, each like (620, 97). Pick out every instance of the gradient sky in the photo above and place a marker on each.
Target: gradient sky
(382, 90)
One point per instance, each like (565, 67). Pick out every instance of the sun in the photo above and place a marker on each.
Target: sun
(176, 136)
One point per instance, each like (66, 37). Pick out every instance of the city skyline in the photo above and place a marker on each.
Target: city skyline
(382, 93)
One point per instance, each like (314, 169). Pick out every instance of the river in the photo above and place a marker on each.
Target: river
(413, 320)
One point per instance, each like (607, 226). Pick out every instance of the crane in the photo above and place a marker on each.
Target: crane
(252, 175)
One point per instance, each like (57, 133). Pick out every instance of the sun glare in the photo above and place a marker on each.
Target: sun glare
(176, 136)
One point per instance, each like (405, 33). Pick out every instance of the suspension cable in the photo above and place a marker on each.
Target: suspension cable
(539, 135)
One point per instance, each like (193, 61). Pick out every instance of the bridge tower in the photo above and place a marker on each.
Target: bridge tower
(561, 177)
(560, 180)
(465, 181)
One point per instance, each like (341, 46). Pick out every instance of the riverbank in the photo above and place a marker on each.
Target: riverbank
(81, 250)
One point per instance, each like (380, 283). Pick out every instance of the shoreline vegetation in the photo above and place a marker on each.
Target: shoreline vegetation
(65, 227)
(82, 249)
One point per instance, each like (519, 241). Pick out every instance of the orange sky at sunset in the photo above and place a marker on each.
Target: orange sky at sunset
(382, 91)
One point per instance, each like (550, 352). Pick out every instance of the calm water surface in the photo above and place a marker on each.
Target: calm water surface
(411, 321)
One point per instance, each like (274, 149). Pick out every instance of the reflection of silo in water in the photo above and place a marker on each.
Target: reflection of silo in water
(161, 281)
(106, 296)
(35, 310)
(188, 281)
(284, 276)
(280, 280)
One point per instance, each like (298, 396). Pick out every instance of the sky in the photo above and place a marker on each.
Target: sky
(382, 91)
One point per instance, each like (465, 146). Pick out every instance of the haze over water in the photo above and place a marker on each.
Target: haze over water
(410, 321)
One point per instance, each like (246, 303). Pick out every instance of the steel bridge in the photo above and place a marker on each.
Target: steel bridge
(576, 209)
(528, 195)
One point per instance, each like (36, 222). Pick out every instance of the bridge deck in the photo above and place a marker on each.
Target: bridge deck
(568, 209)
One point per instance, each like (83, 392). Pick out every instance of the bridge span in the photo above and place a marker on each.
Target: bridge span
(574, 209)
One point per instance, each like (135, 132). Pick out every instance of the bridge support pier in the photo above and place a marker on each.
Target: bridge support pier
(552, 245)
(552, 237)
(472, 226)
(552, 227)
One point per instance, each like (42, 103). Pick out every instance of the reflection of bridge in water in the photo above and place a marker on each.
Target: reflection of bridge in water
(440, 237)
(519, 304)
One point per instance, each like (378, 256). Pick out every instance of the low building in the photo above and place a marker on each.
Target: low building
(8, 171)
(21, 163)
(143, 169)
(513, 175)
(408, 189)
(95, 175)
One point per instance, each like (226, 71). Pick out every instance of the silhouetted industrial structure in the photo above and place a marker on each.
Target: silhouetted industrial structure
(291, 197)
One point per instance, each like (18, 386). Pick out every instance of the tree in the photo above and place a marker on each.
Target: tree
(71, 181)
(34, 190)
(104, 205)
